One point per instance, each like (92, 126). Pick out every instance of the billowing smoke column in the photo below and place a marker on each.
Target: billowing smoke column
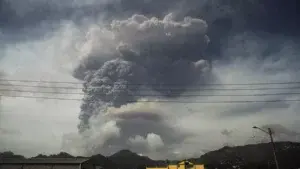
(163, 56)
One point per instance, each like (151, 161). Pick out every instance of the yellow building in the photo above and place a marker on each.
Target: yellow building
(181, 165)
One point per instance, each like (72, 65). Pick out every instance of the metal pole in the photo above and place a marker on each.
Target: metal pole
(273, 146)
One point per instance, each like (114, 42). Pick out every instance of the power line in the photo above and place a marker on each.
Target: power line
(39, 81)
(39, 92)
(212, 84)
(155, 95)
(36, 97)
(41, 86)
(157, 89)
(168, 101)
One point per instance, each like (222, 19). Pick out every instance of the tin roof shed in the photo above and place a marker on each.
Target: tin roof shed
(47, 163)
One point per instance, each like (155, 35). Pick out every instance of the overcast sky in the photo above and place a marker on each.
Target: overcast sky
(52, 39)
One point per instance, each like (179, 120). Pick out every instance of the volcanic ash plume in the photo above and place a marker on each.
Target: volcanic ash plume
(148, 53)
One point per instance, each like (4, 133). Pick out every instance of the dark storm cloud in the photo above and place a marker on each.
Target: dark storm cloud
(224, 17)
(22, 13)
(24, 20)
(242, 14)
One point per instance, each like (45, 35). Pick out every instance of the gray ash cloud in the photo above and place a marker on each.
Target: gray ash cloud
(149, 52)
(110, 86)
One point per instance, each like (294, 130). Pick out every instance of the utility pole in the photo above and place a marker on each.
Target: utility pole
(269, 132)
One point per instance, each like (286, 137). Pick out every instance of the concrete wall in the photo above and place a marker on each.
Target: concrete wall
(172, 166)
(199, 166)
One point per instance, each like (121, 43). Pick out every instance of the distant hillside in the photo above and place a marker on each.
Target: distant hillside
(129, 160)
(127, 157)
(244, 157)
(9, 154)
(288, 155)
(60, 155)
(103, 161)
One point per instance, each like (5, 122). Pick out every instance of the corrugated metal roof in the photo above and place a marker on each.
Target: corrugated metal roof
(44, 161)
(38, 166)
(10, 166)
(64, 167)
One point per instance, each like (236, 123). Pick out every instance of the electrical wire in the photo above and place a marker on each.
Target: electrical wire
(169, 101)
(156, 95)
(158, 89)
(39, 81)
(172, 91)
(212, 84)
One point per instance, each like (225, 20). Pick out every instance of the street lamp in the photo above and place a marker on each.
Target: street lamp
(269, 132)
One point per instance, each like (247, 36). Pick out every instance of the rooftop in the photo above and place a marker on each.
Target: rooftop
(43, 161)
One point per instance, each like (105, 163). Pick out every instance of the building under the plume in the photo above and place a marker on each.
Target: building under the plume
(48, 163)
(181, 165)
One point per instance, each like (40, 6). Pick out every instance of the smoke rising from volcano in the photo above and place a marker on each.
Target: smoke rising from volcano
(149, 52)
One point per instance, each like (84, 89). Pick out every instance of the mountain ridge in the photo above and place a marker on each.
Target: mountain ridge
(257, 155)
